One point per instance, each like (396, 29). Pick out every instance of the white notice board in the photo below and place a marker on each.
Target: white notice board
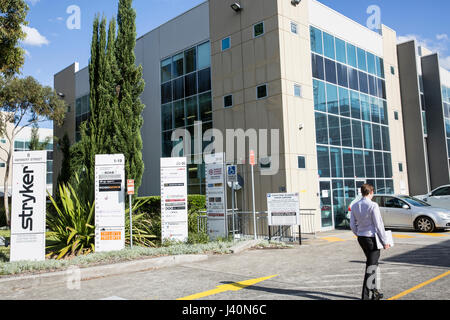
(283, 209)
(29, 188)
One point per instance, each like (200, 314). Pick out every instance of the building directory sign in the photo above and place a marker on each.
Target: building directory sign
(216, 195)
(283, 209)
(174, 199)
(29, 188)
(109, 202)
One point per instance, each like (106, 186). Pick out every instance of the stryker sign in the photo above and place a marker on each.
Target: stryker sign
(28, 199)
(29, 188)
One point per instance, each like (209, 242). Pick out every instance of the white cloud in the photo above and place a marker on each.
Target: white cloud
(33, 2)
(34, 38)
(439, 45)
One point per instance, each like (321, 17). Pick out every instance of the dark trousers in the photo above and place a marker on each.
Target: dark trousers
(369, 246)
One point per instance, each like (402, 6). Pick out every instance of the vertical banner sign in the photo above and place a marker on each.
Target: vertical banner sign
(29, 190)
(109, 202)
(174, 200)
(283, 209)
(216, 195)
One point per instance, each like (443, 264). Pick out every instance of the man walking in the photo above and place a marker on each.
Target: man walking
(366, 224)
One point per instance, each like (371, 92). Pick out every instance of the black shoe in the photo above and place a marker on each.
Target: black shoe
(376, 295)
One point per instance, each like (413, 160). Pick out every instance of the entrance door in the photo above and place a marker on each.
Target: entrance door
(326, 205)
(359, 184)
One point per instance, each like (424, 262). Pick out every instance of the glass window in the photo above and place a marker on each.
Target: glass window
(166, 144)
(379, 166)
(319, 96)
(2, 165)
(368, 141)
(355, 104)
(363, 82)
(226, 43)
(178, 114)
(346, 129)
(178, 65)
(400, 167)
(375, 111)
(228, 101)
(328, 44)
(301, 162)
(190, 84)
(387, 165)
(357, 134)
(19, 144)
(336, 162)
(383, 112)
(204, 80)
(353, 81)
(347, 155)
(344, 102)
(335, 132)
(342, 75)
(205, 107)
(166, 117)
(332, 99)
(362, 64)
(316, 40)
(294, 27)
(321, 128)
(382, 89)
(359, 164)
(190, 58)
(365, 107)
(191, 111)
(204, 55)
(178, 88)
(323, 158)
(371, 63)
(396, 115)
(389, 186)
(318, 67)
(166, 92)
(393, 70)
(380, 188)
(445, 191)
(85, 104)
(330, 71)
(370, 166)
(380, 67)
(297, 90)
(373, 86)
(386, 138)
(166, 70)
(261, 91)
(78, 107)
(258, 29)
(351, 55)
(377, 137)
(340, 51)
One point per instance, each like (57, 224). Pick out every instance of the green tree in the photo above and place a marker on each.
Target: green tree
(129, 121)
(24, 103)
(66, 167)
(12, 18)
(35, 144)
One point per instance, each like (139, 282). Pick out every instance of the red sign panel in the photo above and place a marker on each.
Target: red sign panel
(130, 187)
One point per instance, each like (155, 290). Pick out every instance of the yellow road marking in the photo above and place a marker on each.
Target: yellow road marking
(227, 287)
(333, 239)
(404, 293)
(402, 236)
(433, 234)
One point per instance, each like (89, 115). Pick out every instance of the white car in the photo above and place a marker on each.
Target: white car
(439, 197)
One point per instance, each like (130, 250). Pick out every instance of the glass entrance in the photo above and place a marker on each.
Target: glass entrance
(326, 208)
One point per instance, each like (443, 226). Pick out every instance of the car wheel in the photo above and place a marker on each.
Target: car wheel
(425, 224)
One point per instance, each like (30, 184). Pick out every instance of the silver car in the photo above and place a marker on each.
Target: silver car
(406, 212)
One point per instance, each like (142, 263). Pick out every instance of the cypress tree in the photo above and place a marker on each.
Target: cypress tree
(129, 121)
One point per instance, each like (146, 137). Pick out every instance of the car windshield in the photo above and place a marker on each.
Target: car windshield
(414, 202)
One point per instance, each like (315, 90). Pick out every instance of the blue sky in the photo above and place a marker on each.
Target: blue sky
(51, 46)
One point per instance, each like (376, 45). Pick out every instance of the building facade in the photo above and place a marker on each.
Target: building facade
(327, 87)
(426, 102)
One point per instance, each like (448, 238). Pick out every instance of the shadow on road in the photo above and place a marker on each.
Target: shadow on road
(317, 295)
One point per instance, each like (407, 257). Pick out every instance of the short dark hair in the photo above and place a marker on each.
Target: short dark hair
(366, 189)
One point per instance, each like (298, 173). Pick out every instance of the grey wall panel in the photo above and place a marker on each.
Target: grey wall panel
(82, 82)
(412, 119)
(437, 144)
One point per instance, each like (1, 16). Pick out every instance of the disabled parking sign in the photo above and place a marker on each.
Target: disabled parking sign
(232, 174)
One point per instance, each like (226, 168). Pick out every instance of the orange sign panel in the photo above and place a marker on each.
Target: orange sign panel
(116, 235)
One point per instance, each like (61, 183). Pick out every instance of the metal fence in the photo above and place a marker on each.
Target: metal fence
(243, 225)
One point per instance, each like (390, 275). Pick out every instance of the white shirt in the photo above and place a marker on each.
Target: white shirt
(366, 220)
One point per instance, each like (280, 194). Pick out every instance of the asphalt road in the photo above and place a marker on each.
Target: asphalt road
(330, 267)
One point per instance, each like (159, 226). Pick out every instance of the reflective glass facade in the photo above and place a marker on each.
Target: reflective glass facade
(352, 129)
(446, 103)
(83, 111)
(186, 98)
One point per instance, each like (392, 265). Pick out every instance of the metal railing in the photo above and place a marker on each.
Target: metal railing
(244, 225)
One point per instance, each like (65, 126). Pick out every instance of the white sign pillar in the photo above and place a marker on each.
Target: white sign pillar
(174, 199)
(109, 203)
(29, 190)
